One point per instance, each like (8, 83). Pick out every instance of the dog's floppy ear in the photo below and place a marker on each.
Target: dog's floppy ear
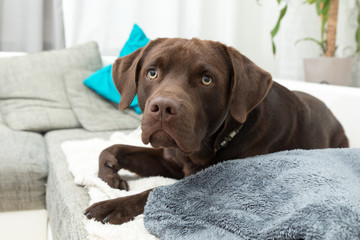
(250, 85)
(124, 74)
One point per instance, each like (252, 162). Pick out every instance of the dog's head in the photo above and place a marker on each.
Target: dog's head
(188, 88)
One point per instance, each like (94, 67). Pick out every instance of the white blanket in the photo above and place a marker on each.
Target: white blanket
(82, 157)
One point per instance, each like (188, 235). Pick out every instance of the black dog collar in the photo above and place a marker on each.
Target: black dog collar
(228, 138)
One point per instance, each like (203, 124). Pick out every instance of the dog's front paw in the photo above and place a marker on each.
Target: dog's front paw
(108, 172)
(115, 181)
(118, 210)
(110, 211)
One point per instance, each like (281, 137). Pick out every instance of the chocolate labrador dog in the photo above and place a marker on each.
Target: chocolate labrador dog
(203, 103)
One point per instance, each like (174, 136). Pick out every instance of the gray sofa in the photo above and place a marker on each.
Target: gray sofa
(44, 102)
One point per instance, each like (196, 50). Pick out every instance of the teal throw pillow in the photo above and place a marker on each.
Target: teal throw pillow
(101, 81)
(136, 40)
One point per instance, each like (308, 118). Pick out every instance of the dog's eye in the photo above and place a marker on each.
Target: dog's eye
(152, 74)
(206, 80)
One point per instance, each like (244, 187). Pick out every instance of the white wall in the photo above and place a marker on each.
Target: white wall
(244, 24)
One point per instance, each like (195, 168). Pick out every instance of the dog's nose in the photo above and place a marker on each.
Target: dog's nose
(162, 107)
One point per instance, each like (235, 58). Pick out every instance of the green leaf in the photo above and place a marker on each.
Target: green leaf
(357, 34)
(322, 44)
(273, 47)
(275, 30)
(322, 9)
(318, 7)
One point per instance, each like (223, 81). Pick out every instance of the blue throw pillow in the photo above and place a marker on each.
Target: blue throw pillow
(101, 81)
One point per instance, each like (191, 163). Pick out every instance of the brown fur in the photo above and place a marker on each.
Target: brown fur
(186, 120)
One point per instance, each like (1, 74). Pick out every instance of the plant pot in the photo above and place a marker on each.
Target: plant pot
(329, 70)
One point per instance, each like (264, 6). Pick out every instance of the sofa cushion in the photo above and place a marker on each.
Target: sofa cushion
(32, 93)
(23, 170)
(37, 101)
(93, 111)
(65, 200)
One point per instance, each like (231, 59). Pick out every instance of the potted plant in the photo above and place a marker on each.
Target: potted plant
(327, 68)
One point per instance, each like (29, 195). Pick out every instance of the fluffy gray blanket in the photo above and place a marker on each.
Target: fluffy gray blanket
(297, 194)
